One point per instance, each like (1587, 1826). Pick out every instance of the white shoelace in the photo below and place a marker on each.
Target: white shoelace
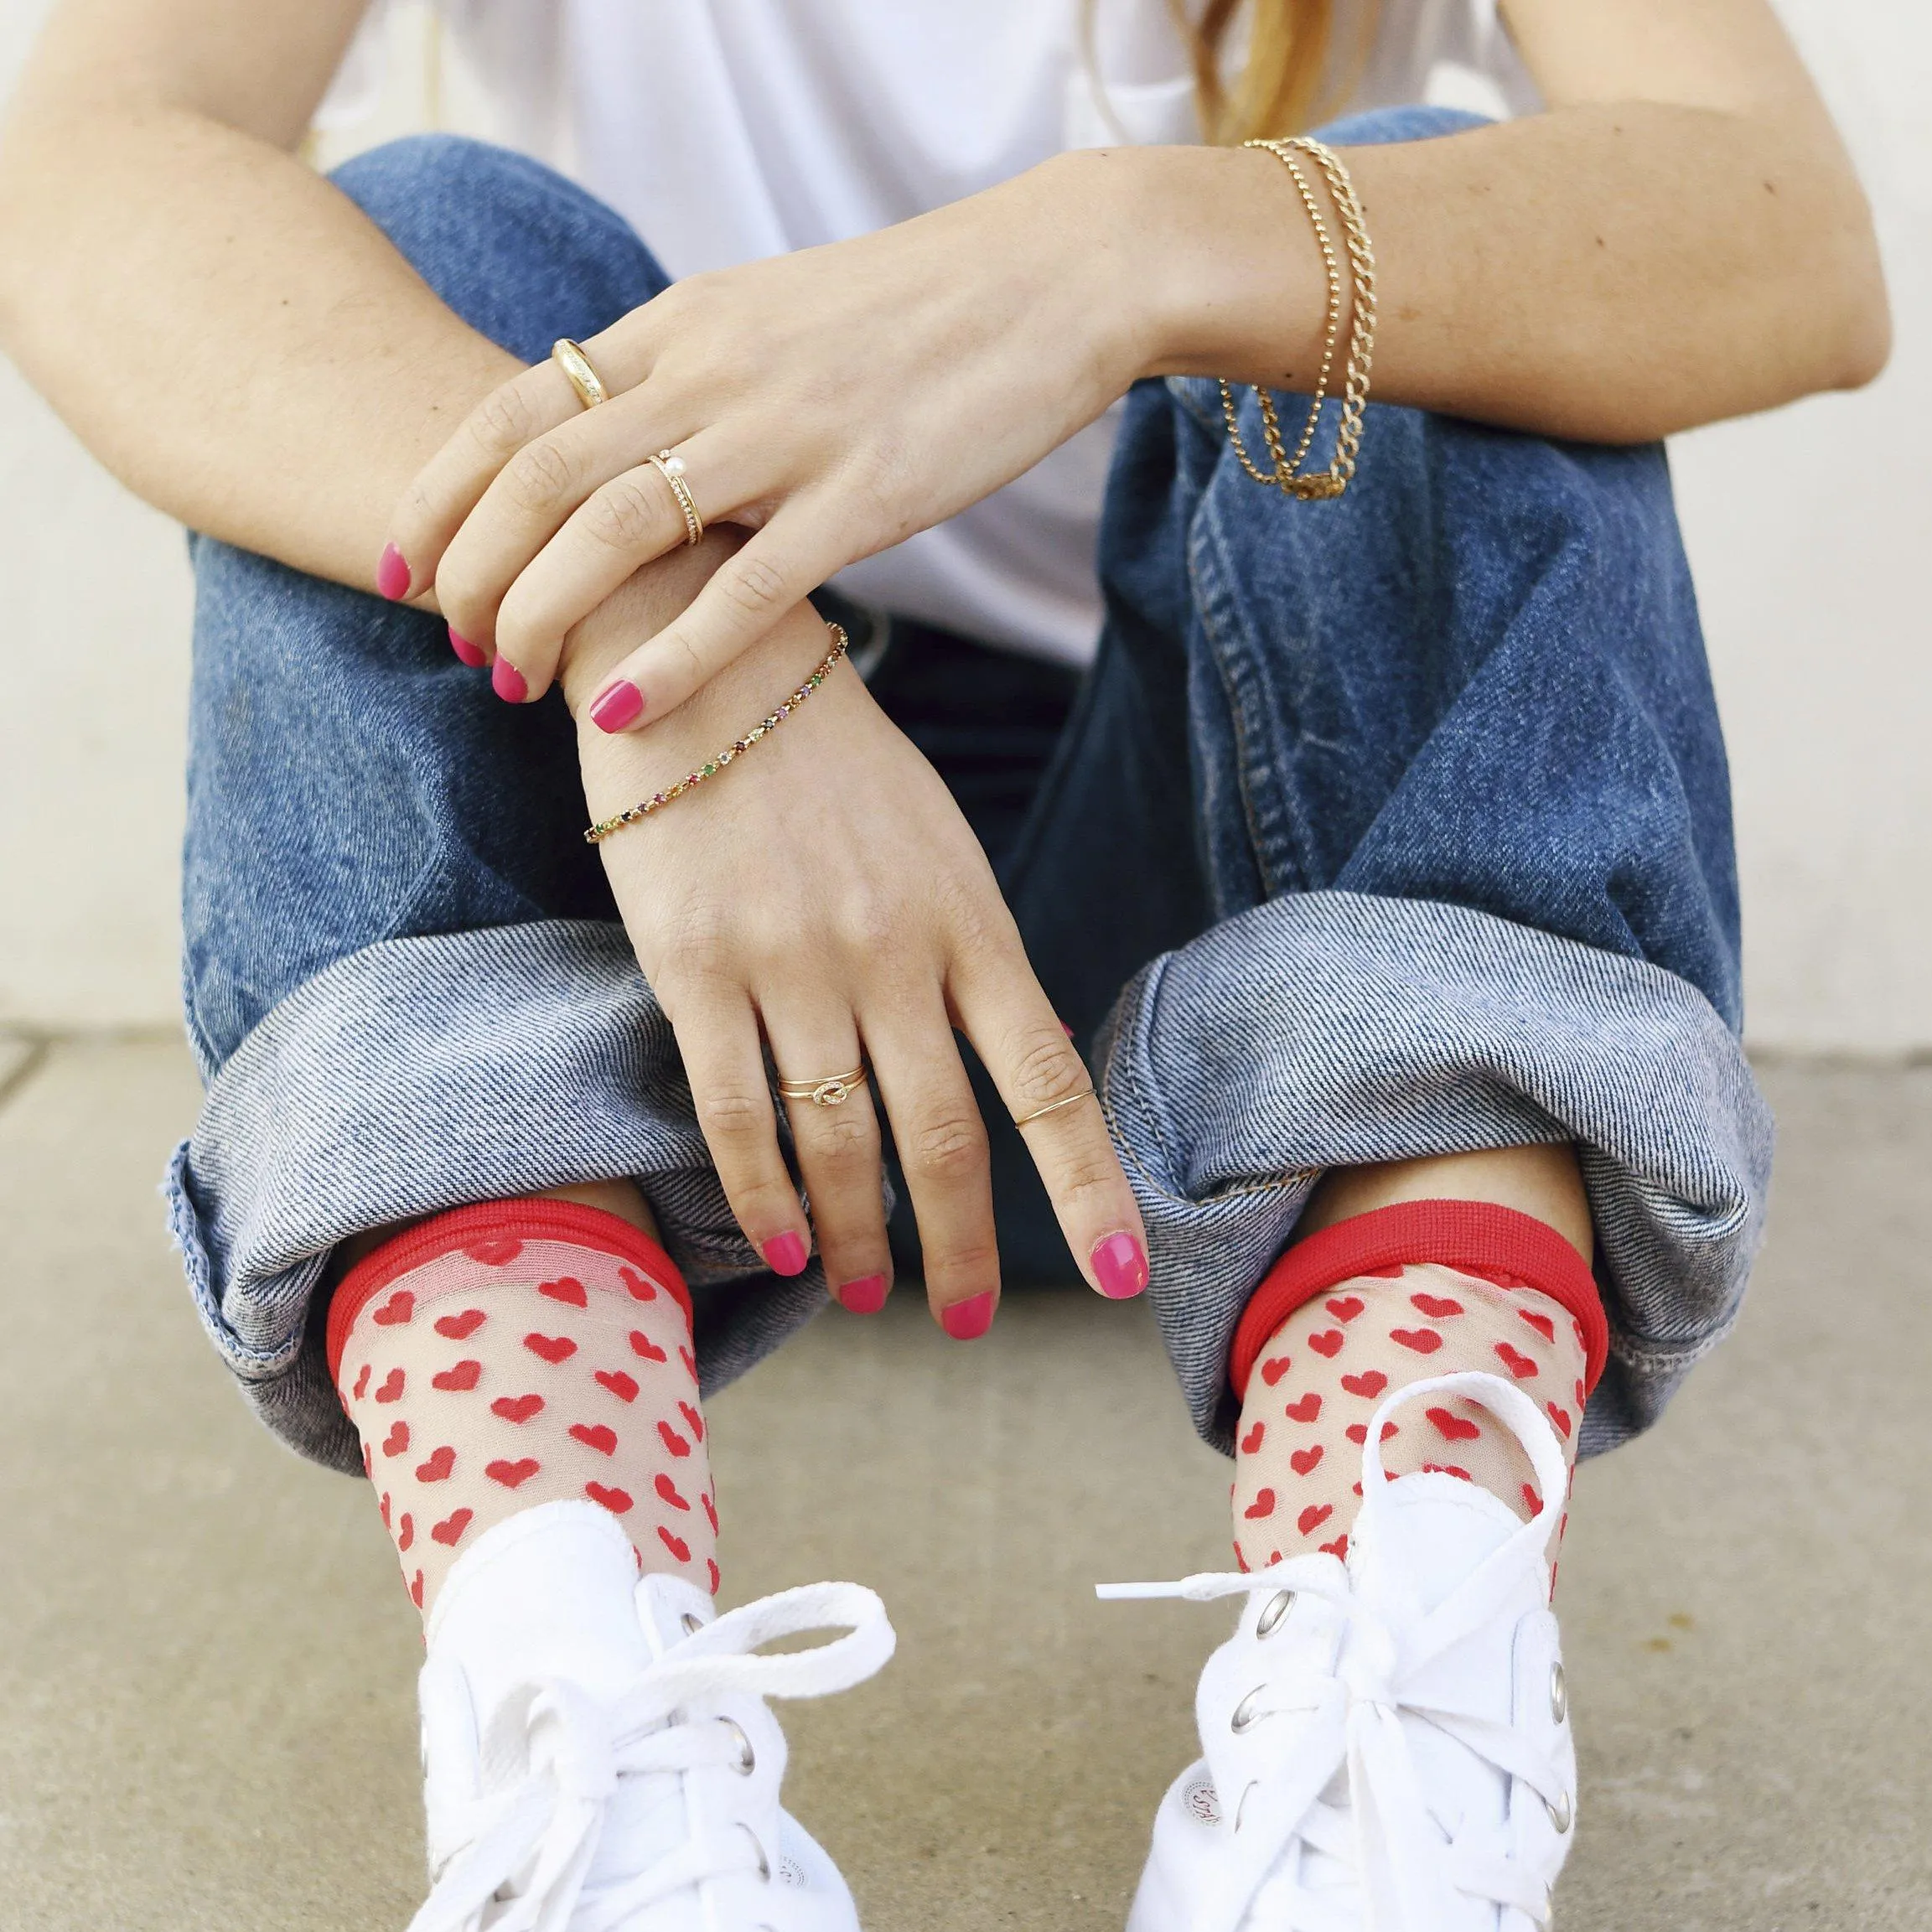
(579, 1747)
(1389, 1838)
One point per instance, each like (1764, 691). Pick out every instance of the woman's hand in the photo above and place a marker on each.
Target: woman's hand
(824, 893)
(834, 401)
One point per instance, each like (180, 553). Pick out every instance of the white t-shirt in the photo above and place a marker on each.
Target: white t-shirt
(726, 130)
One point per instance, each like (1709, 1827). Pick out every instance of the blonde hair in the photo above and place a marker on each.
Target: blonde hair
(1287, 83)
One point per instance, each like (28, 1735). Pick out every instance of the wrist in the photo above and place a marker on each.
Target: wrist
(1215, 263)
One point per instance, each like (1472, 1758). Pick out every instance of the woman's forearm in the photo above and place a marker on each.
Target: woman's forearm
(1607, 272)
(227, 333)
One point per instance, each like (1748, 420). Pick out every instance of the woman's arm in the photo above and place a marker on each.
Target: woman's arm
(1681, 238)
(225, 330)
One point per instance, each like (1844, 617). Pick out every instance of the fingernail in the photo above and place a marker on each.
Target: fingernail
(1066, 1029)
(1119, 1267)
(617, 706)
(785, 1254)
(464, 649)
(392, 574)
(506, 681)
(966, 1321)
(864, 1297)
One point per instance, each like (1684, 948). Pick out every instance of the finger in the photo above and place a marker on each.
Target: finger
(448, 486)
(1040, 1077)
(747, 594)
(942, 1151)
(619, 526)
(837, 1140)
(724, 1063)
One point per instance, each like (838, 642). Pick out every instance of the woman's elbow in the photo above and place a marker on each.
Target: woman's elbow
(1864, 332)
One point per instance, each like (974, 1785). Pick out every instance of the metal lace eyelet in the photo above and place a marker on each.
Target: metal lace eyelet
(1559, 1694)
(1560, 1812)
(1245, 1712)
(1243, 1806)
(764, 1862)
(1276, 1608)
(747, 1757)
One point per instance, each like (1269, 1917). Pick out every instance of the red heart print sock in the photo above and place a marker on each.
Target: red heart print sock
(1387, 1299)
(519, 1352)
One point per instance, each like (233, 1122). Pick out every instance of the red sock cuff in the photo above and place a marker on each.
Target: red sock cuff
(1479, 1238)
(493, 1232)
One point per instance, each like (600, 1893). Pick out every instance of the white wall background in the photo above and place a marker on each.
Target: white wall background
(1810, 532)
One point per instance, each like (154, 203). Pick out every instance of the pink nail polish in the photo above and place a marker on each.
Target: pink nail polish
(1066, 1029)
(1119, 1265)
(864, 1297)
(464, 649)
(392, 574)
(617, 706)
(784, 1254)
(506, 681)
(966, 1321)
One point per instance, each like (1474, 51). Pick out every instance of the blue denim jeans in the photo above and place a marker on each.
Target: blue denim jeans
(1391, 825)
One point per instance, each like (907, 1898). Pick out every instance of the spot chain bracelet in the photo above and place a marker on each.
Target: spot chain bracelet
(711, 768)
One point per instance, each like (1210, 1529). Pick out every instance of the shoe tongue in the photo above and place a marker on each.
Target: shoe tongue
(551, 1592)
(1435, 1530)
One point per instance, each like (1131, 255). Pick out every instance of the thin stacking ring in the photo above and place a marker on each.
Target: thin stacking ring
(671, 469)
(826, 1092)
(578, 371)
(1053, 1107)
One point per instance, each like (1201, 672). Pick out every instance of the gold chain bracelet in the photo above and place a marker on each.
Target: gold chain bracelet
(1287, 476)
(711, 768)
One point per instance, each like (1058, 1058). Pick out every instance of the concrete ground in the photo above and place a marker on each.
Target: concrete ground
(206, 1659)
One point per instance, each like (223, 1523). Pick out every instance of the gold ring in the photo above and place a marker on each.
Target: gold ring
(1053, 1107)
(671, 469)
(828, 1093)
(576, 366)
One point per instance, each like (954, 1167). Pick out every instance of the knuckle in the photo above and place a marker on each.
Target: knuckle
(841, 1139)
(621, 515)
(1046, 1068)
(537, 475)
(736, 1114)
(502, 422)
(754, 585)
(963, 1264)
(948, 1147)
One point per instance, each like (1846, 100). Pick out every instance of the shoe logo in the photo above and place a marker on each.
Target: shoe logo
(1202, 1801)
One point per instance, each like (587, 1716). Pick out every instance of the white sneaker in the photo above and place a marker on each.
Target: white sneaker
(597, 1752)
(1387, 1744)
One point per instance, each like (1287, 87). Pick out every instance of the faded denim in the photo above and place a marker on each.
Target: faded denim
(1403, 821)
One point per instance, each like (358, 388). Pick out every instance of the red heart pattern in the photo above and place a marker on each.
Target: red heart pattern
(452, 1331)
(1371, 1322)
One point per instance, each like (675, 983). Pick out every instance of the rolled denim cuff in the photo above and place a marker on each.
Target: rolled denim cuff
(419, 1075)
(1333, 1028)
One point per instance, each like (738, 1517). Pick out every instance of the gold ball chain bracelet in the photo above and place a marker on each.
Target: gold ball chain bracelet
(711, 768)
(1288, 476)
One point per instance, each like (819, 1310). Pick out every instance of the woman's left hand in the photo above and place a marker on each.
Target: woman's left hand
(833, 400)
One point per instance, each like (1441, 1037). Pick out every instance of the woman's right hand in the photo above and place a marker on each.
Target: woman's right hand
(824, 895)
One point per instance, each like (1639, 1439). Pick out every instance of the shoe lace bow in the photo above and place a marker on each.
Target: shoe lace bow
(1407, 1862)
(528, 1846)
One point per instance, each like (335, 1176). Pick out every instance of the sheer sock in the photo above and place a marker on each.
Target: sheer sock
(517, 1353)
(1382, 1300)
